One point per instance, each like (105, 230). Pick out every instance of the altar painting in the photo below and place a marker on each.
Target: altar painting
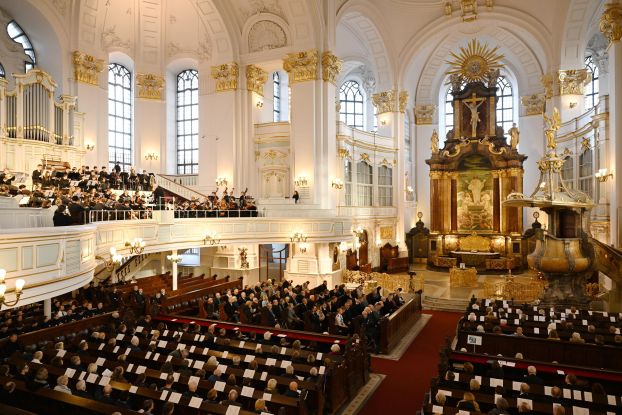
(475, 195)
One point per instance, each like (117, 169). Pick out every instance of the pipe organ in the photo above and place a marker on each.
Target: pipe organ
(35, 125)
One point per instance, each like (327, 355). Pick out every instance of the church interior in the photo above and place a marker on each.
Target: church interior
(300, 207)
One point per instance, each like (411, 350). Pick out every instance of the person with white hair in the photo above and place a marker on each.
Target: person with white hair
(61, 384)
(532, 376)
(232, 399)
(335, 349)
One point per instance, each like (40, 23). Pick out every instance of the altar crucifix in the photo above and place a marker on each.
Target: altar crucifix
(473, 104)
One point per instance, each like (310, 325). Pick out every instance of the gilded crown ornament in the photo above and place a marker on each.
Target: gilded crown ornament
(475, 62)
(611, 22)
(150, 86)
(87, 68)
(255, 79)
(302, 66)
(226, 76)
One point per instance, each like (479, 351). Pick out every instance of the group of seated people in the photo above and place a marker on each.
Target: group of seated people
(214, 206)
(181, 361)
(573, 325)
(320, 310)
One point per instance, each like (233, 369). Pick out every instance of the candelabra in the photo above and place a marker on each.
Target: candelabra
(151, 156)
(221, 181)
(137, 246)
(90, 147)
(302, 247)
(301, 181)
(115, 259)
(19, 287)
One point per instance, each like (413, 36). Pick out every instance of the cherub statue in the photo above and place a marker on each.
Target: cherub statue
(553, 123)
(434, 142)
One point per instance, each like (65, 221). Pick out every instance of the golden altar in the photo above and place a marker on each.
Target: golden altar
(462, 277)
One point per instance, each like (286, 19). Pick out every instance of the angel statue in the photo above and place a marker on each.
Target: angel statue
(553, 123)
(434, 142)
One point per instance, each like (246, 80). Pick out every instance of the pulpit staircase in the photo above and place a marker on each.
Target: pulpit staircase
(177, 190)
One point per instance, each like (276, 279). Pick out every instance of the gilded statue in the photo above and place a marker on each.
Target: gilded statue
(514, 136)
(553, 123)
(434, 142)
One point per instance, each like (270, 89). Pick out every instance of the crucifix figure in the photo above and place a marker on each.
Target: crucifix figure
(474, 103)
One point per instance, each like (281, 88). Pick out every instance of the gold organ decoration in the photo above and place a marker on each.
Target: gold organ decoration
(475, 62)
(226, 76)
(331, 66)
(302, 66)
(424, 114)
(550, 82)
(533, 104)
(611, 22)
(87, 68)
(572, 81)
(386, 232)
(255, 79)
(150, 86)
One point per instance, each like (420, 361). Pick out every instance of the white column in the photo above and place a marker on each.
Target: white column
(532, 145)
(47, 307)
(421, 180)
(615, 129)
(174, 272)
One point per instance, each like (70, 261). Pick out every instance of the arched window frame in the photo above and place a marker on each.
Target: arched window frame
(17, 34)
(352, 102)
(2, 72)
(505, 104)
(120, 117)
(568, 172)
(586, 172)
(592, 89)
(187, 106)
(385, 186)
(276, 95)
(364, 183)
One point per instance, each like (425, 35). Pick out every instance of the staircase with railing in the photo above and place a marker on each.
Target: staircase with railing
(178, 189)
(123, 272)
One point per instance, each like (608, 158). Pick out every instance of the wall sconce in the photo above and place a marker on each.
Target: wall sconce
(302, 247)
(114, 261)
(222, 181)
(301, 181)
(19, 287)
(259, 104)
(212, 239)
(358, 232)
(298, 237)
(151, 156)
(603, 175)
(378, 243)
(174, 258)
(409, 190)
(337, 184)
(573, 104)
(137, 246)
(90, 147)
(383, 122)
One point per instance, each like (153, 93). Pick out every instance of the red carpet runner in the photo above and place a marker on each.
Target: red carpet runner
(409, 378)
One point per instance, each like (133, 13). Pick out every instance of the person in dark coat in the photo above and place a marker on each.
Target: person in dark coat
(61, 218)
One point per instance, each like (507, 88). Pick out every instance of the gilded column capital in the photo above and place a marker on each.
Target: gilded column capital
(550, 82)
(533, 104)
(402, 101)
(424, 114)
(611, 21)
(86, 68)
(226, 76)
(301, 66)
(150, 86)
(255, 79)
(385, 101)
(572, 81)
(436, 175)
(331, 66)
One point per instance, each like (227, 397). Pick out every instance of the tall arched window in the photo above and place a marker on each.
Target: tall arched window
(2, 73)
(586, 172)
(449, 112)
(120, 116)
(364, 183)
(18, 35)
(385, 186)
(568, 172)
(276, 94)
(351, 101)
(188, 122)
(505, 104)
(347, 174)
(591, 89)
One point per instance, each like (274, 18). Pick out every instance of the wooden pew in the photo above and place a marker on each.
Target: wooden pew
(394, 327)
(176, 303)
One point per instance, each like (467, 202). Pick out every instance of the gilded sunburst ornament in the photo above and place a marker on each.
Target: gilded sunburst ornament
(475, 61)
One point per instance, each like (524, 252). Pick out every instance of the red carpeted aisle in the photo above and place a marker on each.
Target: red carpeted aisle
(409, 378)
